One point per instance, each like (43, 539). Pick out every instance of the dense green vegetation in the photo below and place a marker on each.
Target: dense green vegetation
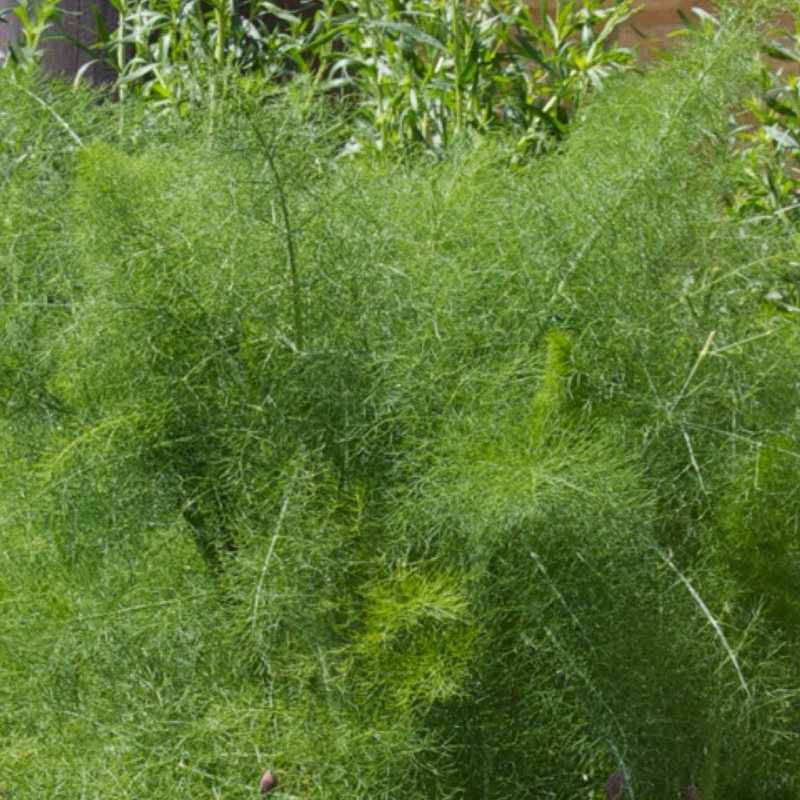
(459, 477)
(415, 74)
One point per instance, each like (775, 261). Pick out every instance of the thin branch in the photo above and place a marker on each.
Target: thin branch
(61, 121)
(268, 557)
(710, 617)
(291, 249)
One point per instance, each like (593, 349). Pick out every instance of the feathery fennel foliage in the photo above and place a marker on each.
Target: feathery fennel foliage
(441, 480)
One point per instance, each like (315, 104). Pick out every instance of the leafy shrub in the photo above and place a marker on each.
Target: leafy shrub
(427, 72)
(768, 141)
(420, 72)
(415, 481)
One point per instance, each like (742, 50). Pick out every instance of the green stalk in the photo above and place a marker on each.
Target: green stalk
(219, 50)
(291, 250)
(291, 253)
(455, 32)
(120, 48)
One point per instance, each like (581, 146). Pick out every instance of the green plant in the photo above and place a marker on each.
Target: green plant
(427, 72)
(768, 141)
(35, 20)
(415, 73)
(171, 52)
(407, 481)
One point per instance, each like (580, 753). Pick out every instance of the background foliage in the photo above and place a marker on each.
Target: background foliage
(768, 139)
(415, 73)
(461, 478)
